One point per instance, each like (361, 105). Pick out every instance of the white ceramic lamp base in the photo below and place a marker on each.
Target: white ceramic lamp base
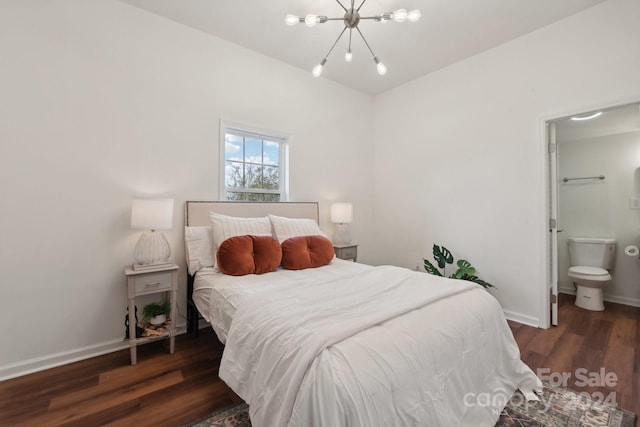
(341, 235)
(152, 249)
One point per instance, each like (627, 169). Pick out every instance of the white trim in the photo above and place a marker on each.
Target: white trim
(634, 302)
(36, 364)
(552, 243)
(258, 131)
(544, 313)
(29, 366)
(221, 165)
(520, 318)
(568, 291)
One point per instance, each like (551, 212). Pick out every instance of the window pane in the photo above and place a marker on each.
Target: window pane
(233, 147)
(233, 196)
(271, 153)
(233, 175)
(253, 176)
(252, 162)
(271, 178)
(253, 150)
(254, 197)
(271, 197)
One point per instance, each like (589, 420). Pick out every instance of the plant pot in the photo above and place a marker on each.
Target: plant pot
(158, 320)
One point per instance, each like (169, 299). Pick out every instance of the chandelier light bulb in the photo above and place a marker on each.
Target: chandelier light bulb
(414, 15)
(348, 56)
(317, 70)
(351, 19)
(291, 20)
(311, 20)
(399, 15)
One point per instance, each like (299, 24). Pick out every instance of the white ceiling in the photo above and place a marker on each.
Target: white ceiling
(449, 31)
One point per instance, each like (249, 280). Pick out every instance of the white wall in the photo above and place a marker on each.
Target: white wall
(101, 102)
(460, 156)
(595, 208)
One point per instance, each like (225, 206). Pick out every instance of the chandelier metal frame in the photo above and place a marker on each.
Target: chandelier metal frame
(351, 19)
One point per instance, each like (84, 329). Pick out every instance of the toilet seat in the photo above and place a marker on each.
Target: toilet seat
(589, 273)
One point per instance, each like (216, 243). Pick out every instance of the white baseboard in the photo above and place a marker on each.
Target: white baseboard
(634, 302)
(525, 320)
(37, 364)
(569, 291)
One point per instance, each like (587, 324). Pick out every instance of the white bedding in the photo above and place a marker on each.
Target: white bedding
(217, 295)
(365, 346)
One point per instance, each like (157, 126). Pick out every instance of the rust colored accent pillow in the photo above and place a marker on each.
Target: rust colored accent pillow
(235, 256)
(267, 254)
(303, 252)
(242, 255)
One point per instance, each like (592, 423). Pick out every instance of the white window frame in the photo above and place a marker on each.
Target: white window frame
(253, 131)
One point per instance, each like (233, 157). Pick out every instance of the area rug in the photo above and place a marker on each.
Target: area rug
(558, 407)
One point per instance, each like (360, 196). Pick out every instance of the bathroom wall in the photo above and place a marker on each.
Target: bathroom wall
(594, 208)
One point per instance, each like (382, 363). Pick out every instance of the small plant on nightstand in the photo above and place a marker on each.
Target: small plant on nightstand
(156, 312)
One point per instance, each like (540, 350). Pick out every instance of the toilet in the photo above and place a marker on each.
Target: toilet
(591, 258)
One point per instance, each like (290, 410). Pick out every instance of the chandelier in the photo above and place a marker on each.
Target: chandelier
(351, 20)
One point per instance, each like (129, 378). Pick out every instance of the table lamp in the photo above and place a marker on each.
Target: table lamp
(152, 250)
(342, 215)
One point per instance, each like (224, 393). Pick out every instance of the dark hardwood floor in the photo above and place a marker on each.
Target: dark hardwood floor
(161, 390)
(588, 346)
(170, 390)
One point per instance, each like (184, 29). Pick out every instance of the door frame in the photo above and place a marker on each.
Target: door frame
(550, 259)
(553, 221)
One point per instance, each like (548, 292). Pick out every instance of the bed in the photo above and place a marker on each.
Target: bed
(347, 344)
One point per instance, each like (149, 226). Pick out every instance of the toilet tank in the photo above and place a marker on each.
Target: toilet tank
(592, 252)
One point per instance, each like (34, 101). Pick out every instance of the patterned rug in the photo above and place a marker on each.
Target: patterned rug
(558, 407)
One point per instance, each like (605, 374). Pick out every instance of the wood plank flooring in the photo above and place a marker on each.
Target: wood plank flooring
(585, 347)
(170, 390)
(161, 390)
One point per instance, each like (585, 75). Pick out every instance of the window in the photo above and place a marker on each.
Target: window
(255, 165)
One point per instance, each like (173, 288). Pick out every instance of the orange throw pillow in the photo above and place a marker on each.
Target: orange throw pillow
(242, 255)
(267, 254)
(235, 256)
(303, 252)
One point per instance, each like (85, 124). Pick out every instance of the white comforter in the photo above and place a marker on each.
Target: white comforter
(383, 347)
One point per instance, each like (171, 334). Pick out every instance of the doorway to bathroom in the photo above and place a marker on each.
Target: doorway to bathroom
(594, 191)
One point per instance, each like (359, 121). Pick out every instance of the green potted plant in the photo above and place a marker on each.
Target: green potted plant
(156, 312)
(465, 270)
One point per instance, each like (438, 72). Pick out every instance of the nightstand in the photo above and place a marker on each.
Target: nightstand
(152, 281)
(349, 251)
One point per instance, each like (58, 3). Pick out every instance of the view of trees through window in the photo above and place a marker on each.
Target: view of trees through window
(252, 167)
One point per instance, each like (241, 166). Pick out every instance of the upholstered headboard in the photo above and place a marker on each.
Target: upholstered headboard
(197, 212)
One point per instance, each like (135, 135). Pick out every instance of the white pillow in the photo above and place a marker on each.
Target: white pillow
(230, 226)
(286, 228)
(198, 243)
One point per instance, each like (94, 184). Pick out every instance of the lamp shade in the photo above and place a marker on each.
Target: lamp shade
(152, 214)
(342, 213)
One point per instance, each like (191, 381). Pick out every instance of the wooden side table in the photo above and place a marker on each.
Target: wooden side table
(349, 251)
(144, 282)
